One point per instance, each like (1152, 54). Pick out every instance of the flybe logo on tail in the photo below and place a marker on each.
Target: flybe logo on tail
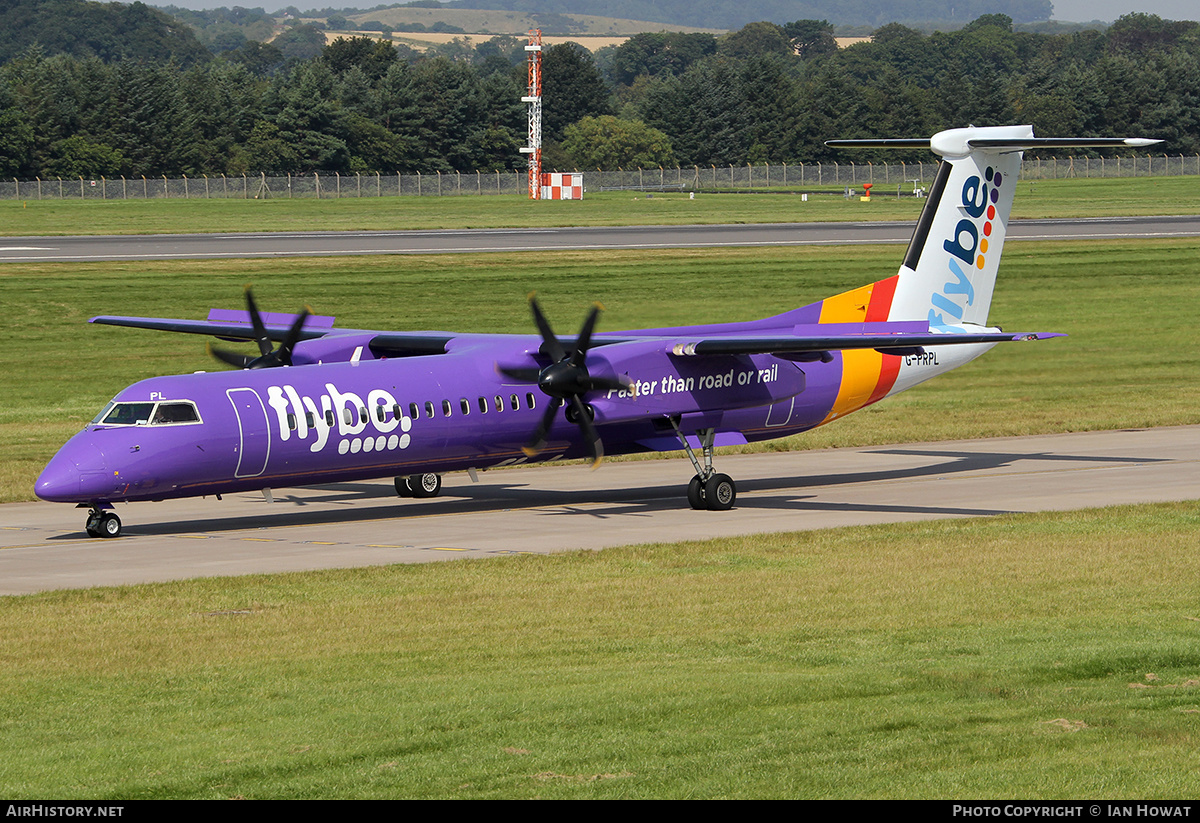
(969, 244)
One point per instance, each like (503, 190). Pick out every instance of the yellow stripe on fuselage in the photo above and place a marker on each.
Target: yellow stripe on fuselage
(860, 367)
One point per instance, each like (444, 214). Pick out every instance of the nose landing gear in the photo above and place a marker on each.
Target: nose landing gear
(101, 523)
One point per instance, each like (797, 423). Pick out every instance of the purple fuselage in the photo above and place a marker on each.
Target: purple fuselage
(341, 421)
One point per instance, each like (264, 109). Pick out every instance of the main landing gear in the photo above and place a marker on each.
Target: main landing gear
(419, 485)
(101, 523)
(708, 489)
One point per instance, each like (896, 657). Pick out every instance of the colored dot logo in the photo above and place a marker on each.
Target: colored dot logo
(993, 177)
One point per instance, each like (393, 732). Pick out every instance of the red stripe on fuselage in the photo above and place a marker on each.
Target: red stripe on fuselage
(877, 312)
(881, 299)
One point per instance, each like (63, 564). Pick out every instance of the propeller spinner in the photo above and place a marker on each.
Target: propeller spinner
(268, 356)
(566, 380)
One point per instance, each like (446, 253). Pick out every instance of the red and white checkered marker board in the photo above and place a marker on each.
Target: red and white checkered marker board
(562, 186)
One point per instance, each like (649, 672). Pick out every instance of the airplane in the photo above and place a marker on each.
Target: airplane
(330, 404)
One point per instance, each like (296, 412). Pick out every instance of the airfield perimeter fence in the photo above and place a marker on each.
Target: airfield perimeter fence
(906, 177)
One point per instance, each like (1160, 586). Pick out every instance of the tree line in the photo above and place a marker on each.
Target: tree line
(759, 100)
(764, 93)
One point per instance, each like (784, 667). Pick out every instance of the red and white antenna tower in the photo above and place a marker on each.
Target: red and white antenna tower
(534, 99)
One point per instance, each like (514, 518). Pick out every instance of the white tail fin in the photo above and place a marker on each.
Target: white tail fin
(949, 271)
(950, 268)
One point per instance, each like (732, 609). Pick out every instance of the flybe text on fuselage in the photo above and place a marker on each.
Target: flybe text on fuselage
(967, 247)
(373, 423)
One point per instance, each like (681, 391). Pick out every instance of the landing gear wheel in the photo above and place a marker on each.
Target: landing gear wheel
(707, 490)
(110, 525)
(100, 523)
(719, 493)
(402, 487)
(425, 485)
(695, 493)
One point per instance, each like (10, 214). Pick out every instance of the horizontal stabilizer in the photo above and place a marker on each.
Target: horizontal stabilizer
(880, 143)
(960, 142)
(1064, 143)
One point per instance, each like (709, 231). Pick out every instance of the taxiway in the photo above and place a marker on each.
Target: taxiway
(552, 508)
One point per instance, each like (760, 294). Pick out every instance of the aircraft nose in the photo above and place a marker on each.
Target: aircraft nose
(78, 473)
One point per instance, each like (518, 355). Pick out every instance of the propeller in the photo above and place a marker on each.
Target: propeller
(566, 380)
(268, 357)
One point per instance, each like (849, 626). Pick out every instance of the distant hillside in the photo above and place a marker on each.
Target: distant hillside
(476, 20)
(110, 31)
(224, 29)
(733, 14)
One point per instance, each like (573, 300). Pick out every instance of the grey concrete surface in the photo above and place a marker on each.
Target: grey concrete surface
(555, 508)
(311, 244)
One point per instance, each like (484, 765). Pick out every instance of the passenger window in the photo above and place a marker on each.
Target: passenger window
(529, 400)
(349, 415)
(464, 405)
(499, 403)
(291, 420)
(309, 419)
(429, 408)
(446, 408)
(329, 419)
(380, 412)
(362, 414)
(516, 404)
(483, 405)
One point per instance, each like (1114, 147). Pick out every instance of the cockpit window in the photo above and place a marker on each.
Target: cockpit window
(128, 414)
(166, 413)
(103, 413)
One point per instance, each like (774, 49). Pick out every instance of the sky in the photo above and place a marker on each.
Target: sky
(1076, 11)
(1082, 11)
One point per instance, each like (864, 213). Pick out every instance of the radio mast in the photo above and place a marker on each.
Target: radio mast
(534, 99)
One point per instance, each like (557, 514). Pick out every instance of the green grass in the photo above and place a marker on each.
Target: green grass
(53, 217)
(1127, 305)
(1052, 198)
(1036, 656)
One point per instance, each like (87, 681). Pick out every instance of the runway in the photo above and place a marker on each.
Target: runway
(547, 509)
(320, 244)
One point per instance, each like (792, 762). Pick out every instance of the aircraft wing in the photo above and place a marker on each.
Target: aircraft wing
(815, 345)
(236, 326)
(223, 329)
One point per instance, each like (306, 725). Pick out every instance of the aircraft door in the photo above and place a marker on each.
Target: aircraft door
(784, 379)
(255, 444)
(780, 414)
